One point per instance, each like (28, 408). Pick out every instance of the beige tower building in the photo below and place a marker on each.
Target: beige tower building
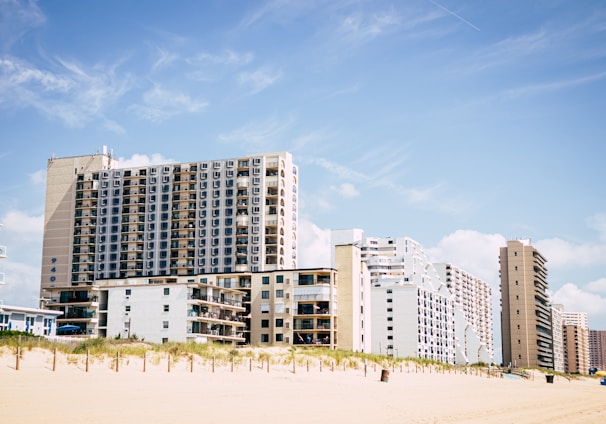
(353, 298)
(66, 211)
(526, 325)
(597, 349)
(575, 335)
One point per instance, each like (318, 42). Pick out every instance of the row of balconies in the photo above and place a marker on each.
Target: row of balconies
(215, 299)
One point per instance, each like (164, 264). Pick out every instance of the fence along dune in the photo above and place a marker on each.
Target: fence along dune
(223, 385)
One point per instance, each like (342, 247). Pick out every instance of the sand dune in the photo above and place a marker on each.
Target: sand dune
(36, 393)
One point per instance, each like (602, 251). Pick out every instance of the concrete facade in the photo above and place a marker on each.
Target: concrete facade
(526, 327)
(103, 222)
(354, 299)
(597, 349)
(398, 265)
(558, 337)
(472, 298)
(576, 342)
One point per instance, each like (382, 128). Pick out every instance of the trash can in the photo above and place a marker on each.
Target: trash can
(385, 376)
(549, 378)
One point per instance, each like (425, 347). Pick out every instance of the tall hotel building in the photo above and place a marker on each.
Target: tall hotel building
(473, 308)
(575, 338)
(597, 349)
(103, 222)
(526, 326)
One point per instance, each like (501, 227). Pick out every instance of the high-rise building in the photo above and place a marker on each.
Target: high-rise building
(597, 349)
(526, 327)
(472, 299)
(447, 325)
(557, 325)
(212, 216)
(576, 342)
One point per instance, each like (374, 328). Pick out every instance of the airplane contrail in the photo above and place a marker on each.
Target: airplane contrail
(455, 15)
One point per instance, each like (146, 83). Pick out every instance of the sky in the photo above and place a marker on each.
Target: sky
(461, 124)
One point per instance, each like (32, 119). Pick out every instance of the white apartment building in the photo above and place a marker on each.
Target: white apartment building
(472, 299)
(412, 313)
(557, 325)
(103, 222)
(412, 320)
(176, 309)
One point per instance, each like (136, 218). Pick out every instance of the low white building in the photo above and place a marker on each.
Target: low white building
(175, 309)
(412, 320)
(39, 322)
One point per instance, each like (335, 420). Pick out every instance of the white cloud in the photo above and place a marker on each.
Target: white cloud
(259, 79)
(164, 59)
(314, 245)
(347, 190)
(576, 299)
(66, 91)
(359, 28)
(227, 58)
(22, 225)
(597, 286)
(259, 134)
(138, 160)
(160, 104)
(114, 127)
(561, 253)
(555, 85)
(387, 178)
(22, 234)
(598, 223)
(475, 252)
(38, 177)
(16, 19)
(22, 286)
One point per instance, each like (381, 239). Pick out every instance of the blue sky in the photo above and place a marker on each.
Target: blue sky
(460, 124)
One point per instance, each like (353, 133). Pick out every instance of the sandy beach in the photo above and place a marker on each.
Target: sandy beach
(250, 394)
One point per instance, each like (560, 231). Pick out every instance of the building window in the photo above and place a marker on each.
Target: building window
(264, 338)
(265, 294)
(279, 278)
(164, 324)
(279, 322)
(127, 308)
(166, 291)
(279, 337)
(264, 323)
(166, 308)
(279, 293)
(265, 280)
(127, 292)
